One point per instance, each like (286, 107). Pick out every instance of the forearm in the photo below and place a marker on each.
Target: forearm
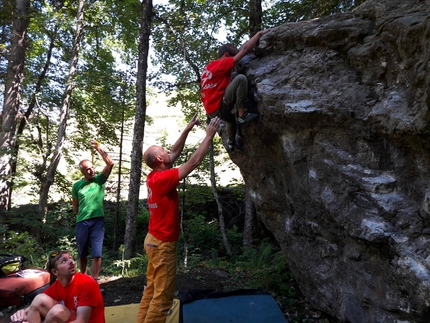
(179, 145)
(250, 44)
(200, 153)
(75, 204)
(82, 315)
(195, 159)
(105, 156)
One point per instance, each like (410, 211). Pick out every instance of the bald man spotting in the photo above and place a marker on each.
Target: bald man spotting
(164, 220)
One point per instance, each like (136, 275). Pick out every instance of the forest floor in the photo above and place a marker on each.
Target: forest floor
(129, 290)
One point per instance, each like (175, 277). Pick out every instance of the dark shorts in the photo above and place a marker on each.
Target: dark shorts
(90, 233)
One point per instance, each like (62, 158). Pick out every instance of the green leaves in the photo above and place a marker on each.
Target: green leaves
(278, 12)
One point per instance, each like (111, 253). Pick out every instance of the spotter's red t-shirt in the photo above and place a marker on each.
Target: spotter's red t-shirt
(163, 204)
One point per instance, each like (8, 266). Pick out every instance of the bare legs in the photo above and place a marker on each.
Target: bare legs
(95, 266)
(43, 308)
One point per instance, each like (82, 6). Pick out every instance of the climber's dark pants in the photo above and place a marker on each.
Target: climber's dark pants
(235, 95)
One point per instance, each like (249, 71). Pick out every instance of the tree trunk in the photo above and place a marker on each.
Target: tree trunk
(118, 191)
(249, 216)
(218, 202)
(45, 153)
(139, 130)
(52, 168)
(11, 104)
(255, 14)
(182, 224)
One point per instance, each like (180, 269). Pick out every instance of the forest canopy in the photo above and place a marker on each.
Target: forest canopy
(81, 70)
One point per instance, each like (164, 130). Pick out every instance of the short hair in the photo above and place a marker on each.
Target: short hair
(150, 156)
(227, 48)
(81, 162)
(52, 262)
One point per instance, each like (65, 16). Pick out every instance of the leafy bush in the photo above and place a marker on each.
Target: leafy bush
(114, 264)
(116, 229)
(69, 244)
(235, 238)
(58, 222)
(20, 243)
(23, 244)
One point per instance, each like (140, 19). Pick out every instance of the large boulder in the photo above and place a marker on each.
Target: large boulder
(338, 166)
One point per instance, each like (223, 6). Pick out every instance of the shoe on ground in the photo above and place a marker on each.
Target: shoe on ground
(247, 117)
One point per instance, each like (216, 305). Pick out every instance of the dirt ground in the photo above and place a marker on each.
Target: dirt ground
(119, 291)
(129, 290)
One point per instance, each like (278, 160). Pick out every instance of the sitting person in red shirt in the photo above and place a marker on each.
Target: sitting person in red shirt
(220, 94)
(73, 297)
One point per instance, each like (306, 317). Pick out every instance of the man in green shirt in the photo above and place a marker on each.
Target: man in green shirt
(87, 197)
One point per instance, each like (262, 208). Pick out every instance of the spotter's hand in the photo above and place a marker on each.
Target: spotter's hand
(94, 143)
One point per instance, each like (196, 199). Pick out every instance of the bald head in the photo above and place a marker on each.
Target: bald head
(87, 169)
(150, 156)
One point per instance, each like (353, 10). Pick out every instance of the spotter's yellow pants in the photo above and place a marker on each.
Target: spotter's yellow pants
(158, 295)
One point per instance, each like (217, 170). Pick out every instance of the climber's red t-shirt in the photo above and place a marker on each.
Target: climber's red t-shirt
(163, 204)
(215, 79)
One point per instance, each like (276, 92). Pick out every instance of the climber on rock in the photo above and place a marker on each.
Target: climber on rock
(220, 94)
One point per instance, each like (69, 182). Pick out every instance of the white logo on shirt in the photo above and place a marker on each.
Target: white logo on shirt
(206, 75)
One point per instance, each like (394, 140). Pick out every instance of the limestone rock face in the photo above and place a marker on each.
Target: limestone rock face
(339, 164)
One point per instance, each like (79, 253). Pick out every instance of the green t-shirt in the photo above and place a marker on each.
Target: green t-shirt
(90, 195)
